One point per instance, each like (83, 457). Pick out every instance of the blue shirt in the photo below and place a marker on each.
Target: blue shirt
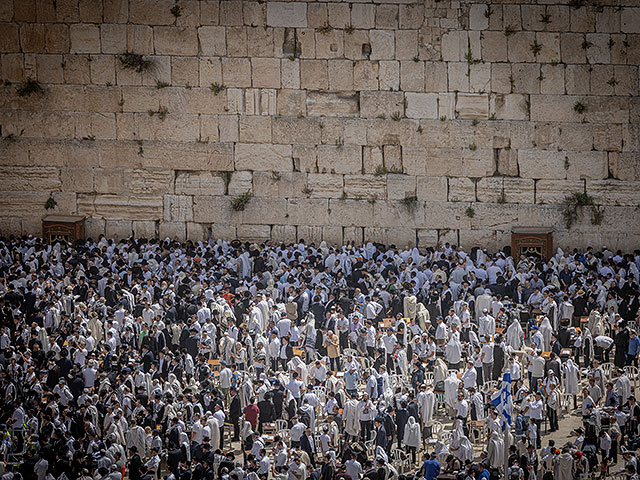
(634, 346)
(431, 469)
(350, 380)
(484, 475)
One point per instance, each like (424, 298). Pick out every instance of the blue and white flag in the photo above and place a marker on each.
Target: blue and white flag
(503, 401)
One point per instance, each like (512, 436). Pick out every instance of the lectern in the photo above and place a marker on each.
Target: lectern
(66, 228)
(534, 242)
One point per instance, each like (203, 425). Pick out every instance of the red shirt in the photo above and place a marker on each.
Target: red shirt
(251, 413)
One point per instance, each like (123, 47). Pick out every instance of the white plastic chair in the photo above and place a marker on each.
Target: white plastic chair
(400, 458)
(282, 425)
(632, 373)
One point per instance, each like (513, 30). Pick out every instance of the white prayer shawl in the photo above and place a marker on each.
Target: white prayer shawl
(44, 339)
(426, 402)
(350, 418)
(594, 319)
(514, 335)
(423, 315)
(214, 426)
(401, 362)
(547, 330)
(564, 467)
(96, 328)
(483, 301)
(412, 437)
(623, 385)
(137, 437)
(451, 390)
(571, 383)
(410, 307)
(441, 451)
(495, 451)
(299, 366)
(440, 370)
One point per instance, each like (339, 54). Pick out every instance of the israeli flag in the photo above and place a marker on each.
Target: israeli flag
(503, 401)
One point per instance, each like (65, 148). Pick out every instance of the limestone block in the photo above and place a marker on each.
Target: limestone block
(354, 42)
(458, 73)
(305, 158)
(109, 180)
(255, 129)
(9, 38)
(214, 209)
(494, 46)
(427, 238)
(173, 127)
(387, 16)
(231, 13)
(199, 183)
(240, 183)
(382, 44)
(478, 19)
(504, 189)
(279, 185)
(30, 178)
(340, 74)
(130, 207)
(154, 12)
(287, 14)
(372, 159)
(76, 69)
(330, 44)
(512, 16)
(422, 105)
(341, 104)
(56, 38)
(414, 160)
(353, 235)
(462, 190)
(435, 77)
(140, 39)
(554, 108)
(411, 16)
(511, 107)
(365, 186)
(471, 106)
(495, 216)
(447, 105)
(175, 40)
(432, 189)
(284, 233)
(552, 79)
(627, 80)
(630, 20)
(365, 75)
(351, 212)
(519, 47)
(374, 104)
(185, 71)
(290, 73)
(259, 41)
(113, 38)
(225, 232)
(197, 232)
(480, 78)
(613, 192)
(49, 68)
(263, 157)
(493, 240)
(306, 42)
(543, 164)
(172, 230)
(402, 237)
(307, 211)
(455, 45)
(317, 15)
(79, 180)
(363, 15)
(599, 50)
(236, 72)
(406, 44)
(314, 75)
(446, 215)
(351, 131)
(555, 191)
(236, 41)
(582, 20)
(292, 102)
(610, 137)
(526, 77)
(412, 78)
(608, 20)
(345, 159)
(85, 38)
(571, 48)
(325, 186)
(400, 186)
(577, 79)
(265, 211)
(212, 40)
(148, 181)
(144, 229)
(601, 76)
(393, 158)
(313, 234)
(389, 75)
(590, 165)
(296, 130)
(32, 38)
(500, 77)
(118, 229)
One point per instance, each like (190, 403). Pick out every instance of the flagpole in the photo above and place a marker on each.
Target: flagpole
(507, 435)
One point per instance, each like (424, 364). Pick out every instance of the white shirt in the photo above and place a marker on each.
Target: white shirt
(469, 378)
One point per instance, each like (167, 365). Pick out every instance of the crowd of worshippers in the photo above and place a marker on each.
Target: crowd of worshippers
(163, 359)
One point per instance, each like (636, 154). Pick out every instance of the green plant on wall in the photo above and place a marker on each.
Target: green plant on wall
(30, 87)
(240, 202)
(572, 206)
(51, 203)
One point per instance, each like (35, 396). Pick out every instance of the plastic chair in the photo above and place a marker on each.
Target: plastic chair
(282, 425)
(399, 458)
(632, 373)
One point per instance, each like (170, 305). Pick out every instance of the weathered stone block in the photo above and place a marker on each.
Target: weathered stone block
(330, 44)
(520, 47)
(406, 44)
(587, 165)
(365, 186)
(199, 183)
(374, 104)
(343, 104)
(236, 72)
(284, 233)
(212, 40)
(428, 238)
(462, 190)
(365, 75)
(389, 75)
(296, 130)
(236, 41)
(352, 235)
(471, 106)
(630, 20)
(571, 48)
(412, 76)
(544, 164)
(265, 72)
(422, 105)
(556, 191)
(172, 230)
(118, 229)
(458, 76)
(85, 38)
(526, 78)
(149, 181)
(382, 44)
(436, 77)
(509, 190)
(130, 207)
(265, 211)
(494, 46)
(340, 75)
(400, 186)
(432, 189)
(312, 233)
(314, 74)
(552, 79)
(263, 157)
(352, 212)
(511, 107)
(345, 159)
(285, 14)
(307, 211)
(363, 15)
(175, 40)
(455, 45)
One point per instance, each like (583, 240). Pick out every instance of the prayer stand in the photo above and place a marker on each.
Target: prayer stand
(531, 242)
(64, 228)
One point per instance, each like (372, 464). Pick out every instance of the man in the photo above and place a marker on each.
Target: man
(430, 468)
(381, 434)
(553, 405)
(307, 443)
(235, 412)
(534, 407)
(470, 376)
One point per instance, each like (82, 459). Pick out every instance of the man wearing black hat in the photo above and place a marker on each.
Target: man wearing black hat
(134, 464)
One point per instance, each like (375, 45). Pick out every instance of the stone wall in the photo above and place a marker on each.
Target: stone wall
(395, 120)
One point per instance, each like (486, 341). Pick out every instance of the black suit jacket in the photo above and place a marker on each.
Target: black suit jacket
(306, 446)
